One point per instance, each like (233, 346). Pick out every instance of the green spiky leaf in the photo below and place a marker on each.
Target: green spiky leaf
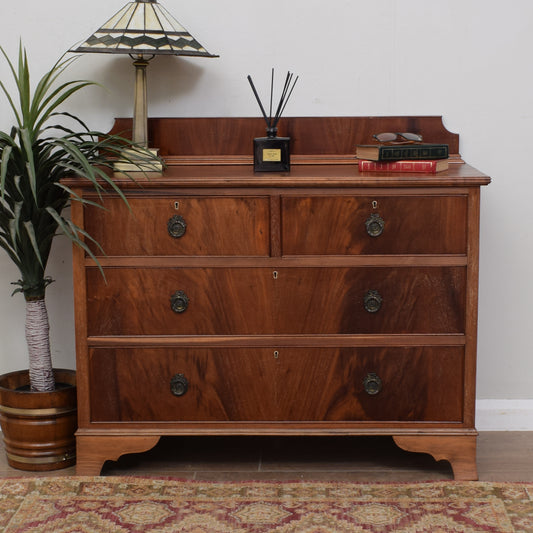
(35, 155)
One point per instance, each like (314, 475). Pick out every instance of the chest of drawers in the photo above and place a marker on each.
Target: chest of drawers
(320, 302)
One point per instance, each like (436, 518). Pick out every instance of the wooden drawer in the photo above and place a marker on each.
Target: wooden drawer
(221, 301)
(417, 384)
(213, 226)
(134, 384)
(252, 384)
(337, 225)
(371, 300)
(252, 301)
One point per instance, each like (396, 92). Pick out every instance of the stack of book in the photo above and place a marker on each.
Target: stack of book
(415, 157)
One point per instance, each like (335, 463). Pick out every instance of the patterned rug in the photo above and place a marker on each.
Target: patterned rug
(124, 504)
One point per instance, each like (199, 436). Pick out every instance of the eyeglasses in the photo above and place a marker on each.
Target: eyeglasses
(397, 138)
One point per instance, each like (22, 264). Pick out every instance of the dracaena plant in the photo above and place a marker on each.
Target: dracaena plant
(43, 146)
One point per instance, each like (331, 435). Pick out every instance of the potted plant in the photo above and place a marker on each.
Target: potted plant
(42, 147)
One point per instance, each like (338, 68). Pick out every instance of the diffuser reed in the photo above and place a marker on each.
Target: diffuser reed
(288, 87)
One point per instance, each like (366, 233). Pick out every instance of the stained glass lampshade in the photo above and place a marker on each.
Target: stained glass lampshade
(142, 29)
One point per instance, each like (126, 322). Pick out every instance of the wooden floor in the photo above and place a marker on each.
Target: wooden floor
(502, 456)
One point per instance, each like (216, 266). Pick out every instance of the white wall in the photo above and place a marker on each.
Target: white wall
(467, 60)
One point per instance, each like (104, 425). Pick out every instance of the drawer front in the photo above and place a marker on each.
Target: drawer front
(181, 226)
(353, 225)
(371, 300)
(371, 384)
(180, 301)
(253, 301)
(295, 384)
(135, 384)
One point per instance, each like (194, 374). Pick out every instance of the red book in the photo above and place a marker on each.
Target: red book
(427, 166)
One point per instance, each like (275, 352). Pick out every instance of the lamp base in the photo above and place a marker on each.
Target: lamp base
(135, 162)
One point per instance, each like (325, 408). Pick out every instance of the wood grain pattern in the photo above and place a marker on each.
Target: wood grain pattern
(261, 301)
(460, 451)
(332, 225)
(94, 451)
(276, 340)
(231, 384)
(285, 384)
(418, 384)
(38, 427)
(331, 300)
(214, 226)
(137, 301)
(227, 178)
(309, 135)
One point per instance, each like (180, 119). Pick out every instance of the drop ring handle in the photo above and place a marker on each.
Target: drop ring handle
(372, 301)
(179, 302)
(176, 226)
(372, 383)
(179, 385)
(374, 225)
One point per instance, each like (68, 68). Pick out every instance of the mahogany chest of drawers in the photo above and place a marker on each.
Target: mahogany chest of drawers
(320, 302)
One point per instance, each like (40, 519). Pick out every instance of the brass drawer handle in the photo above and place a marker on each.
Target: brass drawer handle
(179, 302)
(372, 301)
(179, 385)
(372, 383)
(374, 225)
(176, 226)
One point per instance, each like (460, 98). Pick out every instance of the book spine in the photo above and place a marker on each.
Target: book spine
(428, 167)
(395, 153)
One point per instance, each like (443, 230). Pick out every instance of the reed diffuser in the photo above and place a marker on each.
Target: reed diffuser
(272, 153)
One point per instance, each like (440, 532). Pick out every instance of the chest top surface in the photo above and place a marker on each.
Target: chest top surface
(217, 153)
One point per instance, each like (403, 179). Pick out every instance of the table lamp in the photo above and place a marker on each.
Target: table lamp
(142, 29)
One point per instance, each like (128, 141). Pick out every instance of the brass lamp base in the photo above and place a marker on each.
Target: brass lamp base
(135, 162)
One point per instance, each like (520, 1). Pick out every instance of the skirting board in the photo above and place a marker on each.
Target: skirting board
(504, 415)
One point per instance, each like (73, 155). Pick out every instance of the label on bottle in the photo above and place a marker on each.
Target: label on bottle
(272, 154)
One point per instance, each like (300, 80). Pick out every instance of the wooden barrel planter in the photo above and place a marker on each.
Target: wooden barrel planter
(38, 427)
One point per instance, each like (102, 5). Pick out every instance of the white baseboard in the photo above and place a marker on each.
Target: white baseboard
(504, 415)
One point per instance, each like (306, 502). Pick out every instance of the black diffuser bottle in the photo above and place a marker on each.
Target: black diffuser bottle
(272, 153)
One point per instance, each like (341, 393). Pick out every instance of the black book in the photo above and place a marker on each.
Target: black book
(396, 152)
